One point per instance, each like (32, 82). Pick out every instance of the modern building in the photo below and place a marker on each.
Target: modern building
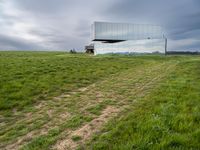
(127, 38)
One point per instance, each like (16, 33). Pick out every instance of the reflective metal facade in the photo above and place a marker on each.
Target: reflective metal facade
(127, 38)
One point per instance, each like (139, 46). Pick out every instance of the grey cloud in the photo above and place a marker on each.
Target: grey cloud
(83, 28)
(10, 43)
(42, 6)
(184, 45)
(65, 24)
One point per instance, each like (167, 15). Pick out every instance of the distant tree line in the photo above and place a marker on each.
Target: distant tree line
(184, 52)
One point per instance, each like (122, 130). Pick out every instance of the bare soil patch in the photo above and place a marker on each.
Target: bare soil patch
(87, 130)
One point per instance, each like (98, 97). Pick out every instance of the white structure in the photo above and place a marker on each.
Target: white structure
(127, 38)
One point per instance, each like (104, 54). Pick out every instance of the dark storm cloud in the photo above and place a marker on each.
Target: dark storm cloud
(179, 13)
(171, 13)
(180, 18)
(65, 24)
(60, 24)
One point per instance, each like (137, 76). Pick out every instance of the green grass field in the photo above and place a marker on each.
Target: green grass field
(57, 100)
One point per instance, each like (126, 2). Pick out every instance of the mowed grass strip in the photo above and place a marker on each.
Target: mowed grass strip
(168, 118)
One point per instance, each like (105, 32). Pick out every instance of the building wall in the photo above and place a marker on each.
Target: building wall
(131, 46)
(124, 31)
(134, 38)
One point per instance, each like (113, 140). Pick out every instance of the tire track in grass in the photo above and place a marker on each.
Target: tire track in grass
(56, 120)
(81, 135)
(88, 95)
(87, 130)
(35, 133)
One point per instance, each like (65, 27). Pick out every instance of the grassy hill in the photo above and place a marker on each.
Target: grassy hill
(67, 101)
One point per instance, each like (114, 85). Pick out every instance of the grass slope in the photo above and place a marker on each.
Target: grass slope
(168, 118)
(45, 96)
(28, 77)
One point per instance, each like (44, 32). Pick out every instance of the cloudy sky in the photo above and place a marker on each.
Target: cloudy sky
(65, 24)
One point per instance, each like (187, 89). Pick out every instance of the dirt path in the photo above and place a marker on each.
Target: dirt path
(117, 91)
(88, 130)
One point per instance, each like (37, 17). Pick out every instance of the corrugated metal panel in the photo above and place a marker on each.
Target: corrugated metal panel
(123, 31)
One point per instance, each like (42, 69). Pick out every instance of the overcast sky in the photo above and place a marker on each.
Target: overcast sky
(65, 24)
